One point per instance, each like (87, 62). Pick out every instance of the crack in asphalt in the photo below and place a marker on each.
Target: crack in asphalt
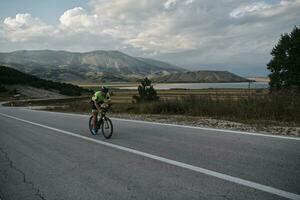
(11, 165)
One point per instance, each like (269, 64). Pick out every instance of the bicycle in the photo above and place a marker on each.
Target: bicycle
(104, 123)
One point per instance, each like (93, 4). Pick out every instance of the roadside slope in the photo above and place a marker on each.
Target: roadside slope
(9, 76)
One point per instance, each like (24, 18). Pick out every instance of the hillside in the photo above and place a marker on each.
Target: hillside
(200, 77)
(101, 66)
(9, 76)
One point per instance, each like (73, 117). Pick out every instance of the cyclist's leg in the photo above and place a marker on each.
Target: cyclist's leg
(95, 114)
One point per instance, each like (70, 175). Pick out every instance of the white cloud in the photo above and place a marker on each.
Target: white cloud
(24, 27)
(262, 8)
(189, 2)
(169, 3)
(143, 24)
(78, 19)
(244, 10)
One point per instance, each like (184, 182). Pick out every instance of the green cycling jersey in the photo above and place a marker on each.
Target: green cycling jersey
(100, 97)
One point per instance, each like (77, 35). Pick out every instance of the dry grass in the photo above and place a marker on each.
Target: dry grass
(241, 105)
(263, 109)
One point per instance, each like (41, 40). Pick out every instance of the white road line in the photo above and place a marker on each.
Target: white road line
(233, 179)
(185, 126)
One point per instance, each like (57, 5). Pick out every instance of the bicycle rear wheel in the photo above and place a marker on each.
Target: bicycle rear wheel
(107, 128)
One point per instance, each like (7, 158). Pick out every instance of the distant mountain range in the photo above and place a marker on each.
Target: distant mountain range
(94, 66)
(104, 66)
(200, 77)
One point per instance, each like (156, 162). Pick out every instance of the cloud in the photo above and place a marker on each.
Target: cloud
(189, 2)
(263, 8)
(185, 32)
(169, 3)
(24, 27)
(77, 19)
(244, 10)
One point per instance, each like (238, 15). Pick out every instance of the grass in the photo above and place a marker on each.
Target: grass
(47, 102)
(268, 108)
(240, 105)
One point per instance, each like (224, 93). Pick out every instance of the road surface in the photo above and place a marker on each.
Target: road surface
(46, 155)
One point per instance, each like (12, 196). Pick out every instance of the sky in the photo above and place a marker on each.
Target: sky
(232, 35)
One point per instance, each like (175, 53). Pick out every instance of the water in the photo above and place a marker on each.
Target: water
(168, 86)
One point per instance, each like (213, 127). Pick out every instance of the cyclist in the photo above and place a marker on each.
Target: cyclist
(98, 100)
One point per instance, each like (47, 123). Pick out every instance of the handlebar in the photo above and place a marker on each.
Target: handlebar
(105, 107)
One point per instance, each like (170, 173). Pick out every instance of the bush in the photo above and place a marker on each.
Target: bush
(146, 92)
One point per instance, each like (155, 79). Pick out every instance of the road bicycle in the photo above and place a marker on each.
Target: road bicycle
(103, 123)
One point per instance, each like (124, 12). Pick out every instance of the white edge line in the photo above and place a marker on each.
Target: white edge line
(181, 126)
(225, 177)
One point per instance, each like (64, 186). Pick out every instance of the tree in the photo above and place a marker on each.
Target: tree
(285, 62)
(2, 88)
(146, 91)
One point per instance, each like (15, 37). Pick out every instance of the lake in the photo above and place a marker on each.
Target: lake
(168, 86)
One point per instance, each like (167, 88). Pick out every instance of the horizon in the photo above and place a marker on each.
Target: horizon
(83, 52)
(196, 35)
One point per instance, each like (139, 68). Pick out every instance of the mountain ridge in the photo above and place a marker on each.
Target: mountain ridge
(204, 76)
(104, 66)
(94, 65)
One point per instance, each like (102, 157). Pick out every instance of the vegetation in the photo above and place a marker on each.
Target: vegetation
(9, 76)
(2, 88)
(146, 92)
(269, 108)
(285, 64)
(261, 109)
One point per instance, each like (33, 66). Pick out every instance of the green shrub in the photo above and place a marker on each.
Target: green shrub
(146, 92)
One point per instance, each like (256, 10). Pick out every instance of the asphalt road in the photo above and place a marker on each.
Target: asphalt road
(46, 155)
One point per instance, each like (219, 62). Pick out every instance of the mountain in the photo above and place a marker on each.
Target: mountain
(10, 76)
(113, 66)
(105, 66)
(200, 76)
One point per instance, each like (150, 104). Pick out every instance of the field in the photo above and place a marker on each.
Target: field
(256, 109)
(125, 96)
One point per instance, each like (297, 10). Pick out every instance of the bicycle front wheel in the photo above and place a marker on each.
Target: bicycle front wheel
(107, 128)
(91, 124)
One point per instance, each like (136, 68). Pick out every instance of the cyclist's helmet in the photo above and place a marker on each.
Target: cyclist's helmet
(104, 89)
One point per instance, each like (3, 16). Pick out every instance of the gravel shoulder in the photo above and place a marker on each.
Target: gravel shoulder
(276, 129)
(214, 123)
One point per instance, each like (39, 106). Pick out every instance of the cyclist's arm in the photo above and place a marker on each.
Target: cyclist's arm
(94, 99)
(108, 101)
(97, 106)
